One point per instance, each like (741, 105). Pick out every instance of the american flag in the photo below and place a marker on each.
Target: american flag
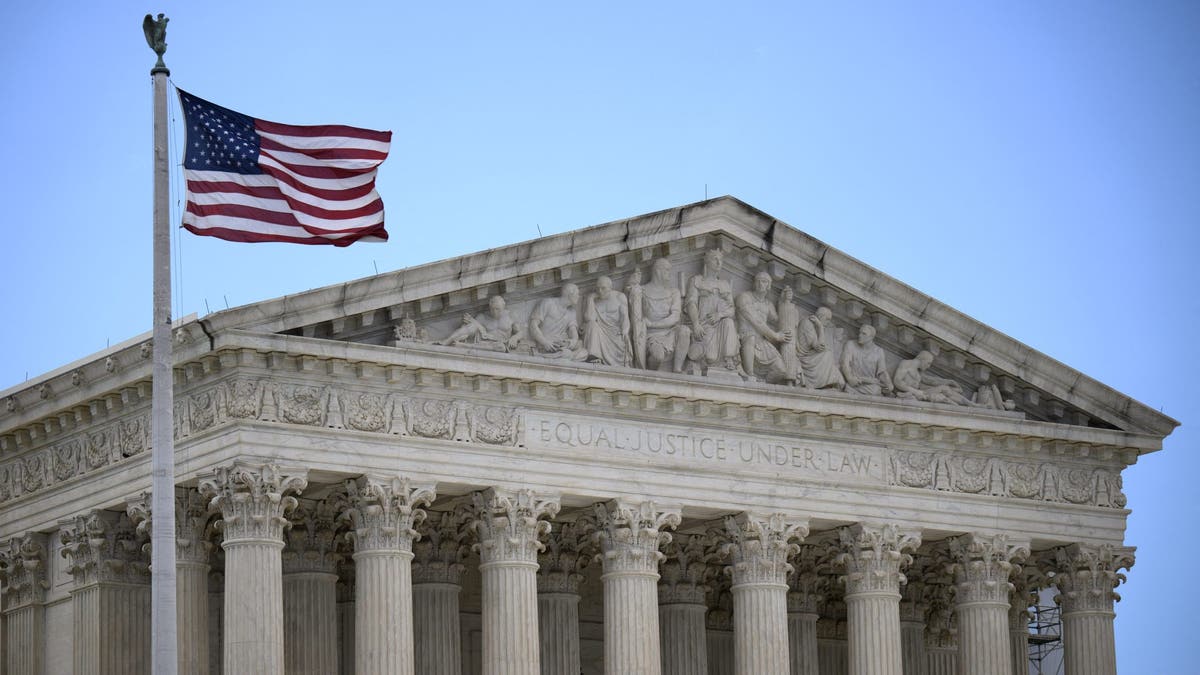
(251, 180)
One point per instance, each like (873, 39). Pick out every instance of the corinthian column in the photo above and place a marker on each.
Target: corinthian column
(254, 500)
(437, 581)
(508, 524)
(718, 624)
(558, 580)
(981, 567)
(192, 552)
(759, 547)
(941, 641)
(23, 567)
(872, 556)
(807, 590)
(912, 618)
(383, 512)
(1087, 577)
(310, 561)
(1026, 581)
(681, 607)
(630, 535)
(111, 597)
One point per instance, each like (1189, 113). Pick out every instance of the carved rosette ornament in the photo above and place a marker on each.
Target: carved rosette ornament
(441, 550)
(384, 512)
(104, 546)
(253, 499)
(564, 558)
(23, 570)
(311, 543)
(630, 535)
(872, 556)
(508, 524)
(684, 569)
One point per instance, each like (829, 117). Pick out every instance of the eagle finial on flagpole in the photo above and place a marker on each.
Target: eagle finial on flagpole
(156, 37)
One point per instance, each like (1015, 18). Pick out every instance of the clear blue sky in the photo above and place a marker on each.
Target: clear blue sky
(1035, 165)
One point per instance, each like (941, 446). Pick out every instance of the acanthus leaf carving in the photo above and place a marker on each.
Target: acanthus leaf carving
(630, 534)
(23, 570)
(253, 499)
(873, 556)
(383, 512)
(566, 554)
(759, 546)
(981, 567)
(1087, 576)
(311, 541)
(439, 554)
(104, 546)
(508, 523)
(684, 570)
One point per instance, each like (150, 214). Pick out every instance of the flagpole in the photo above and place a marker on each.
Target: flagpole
(164, 631)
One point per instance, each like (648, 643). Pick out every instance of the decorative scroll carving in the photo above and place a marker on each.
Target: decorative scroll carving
(23, 569)
(982, 565)
(507, 523)
(302, 404)
(759, 546)
(193, 518)
(1087, 576)
(630, 534)
(442, 548)
(684, 570)
(565, 556)
(384, 512)
(367, 412)
(243, 398)
(104, 546)
(253, 499)
(873, 555)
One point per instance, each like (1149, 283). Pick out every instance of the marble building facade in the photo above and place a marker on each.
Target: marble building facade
(695, 441)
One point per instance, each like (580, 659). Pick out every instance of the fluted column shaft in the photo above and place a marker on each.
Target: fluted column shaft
(833, 657)
(383, 629)
(683, 639)
(507, 524)
(912, 647)
(111, 629)
(803, 653)
(191, 612)
(720, 651)
(942, 660)
(1092, 649)
(558, 632)
(310, 623)
(1018, 647)
(873, 556)
(436, 628)
(25, 639)
(510, 621)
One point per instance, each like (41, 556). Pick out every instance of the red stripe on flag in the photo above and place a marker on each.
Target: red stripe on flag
(322, 130)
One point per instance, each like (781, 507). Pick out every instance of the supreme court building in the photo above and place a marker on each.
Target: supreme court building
(695, 441)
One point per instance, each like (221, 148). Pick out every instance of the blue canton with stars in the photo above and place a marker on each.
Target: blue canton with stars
(218, 139)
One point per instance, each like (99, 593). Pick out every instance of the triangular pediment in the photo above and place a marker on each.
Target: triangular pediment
(973, 366)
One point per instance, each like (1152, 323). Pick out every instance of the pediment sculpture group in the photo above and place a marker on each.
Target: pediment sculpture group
(706, 330)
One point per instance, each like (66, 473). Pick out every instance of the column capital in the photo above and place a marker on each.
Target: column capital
(193, 514)
(383, 512)
(759, 545)
(914, 602)
(807, 586)
(1027, 580)
(630, 534)
(23, 570)
(981, 565)
(872, 556)
(253, 499)
(508, 523)
(1087, 575)
(311, 542)
(439, 553)
(941, 626)
(564, 557)
(103, 546)
(684, 569)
